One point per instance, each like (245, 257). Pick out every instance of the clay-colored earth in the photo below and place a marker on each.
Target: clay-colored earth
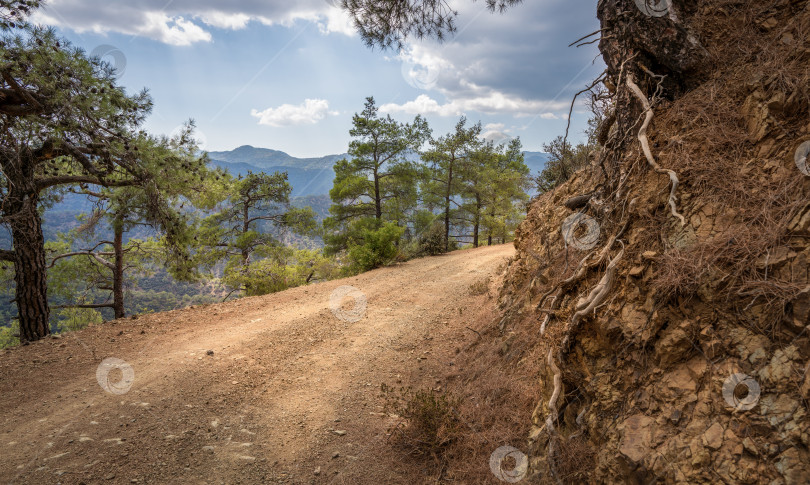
(290, 393)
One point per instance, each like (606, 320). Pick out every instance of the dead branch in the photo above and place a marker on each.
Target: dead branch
(578, 202)
(585, 37)
(598, 80)
(94, 305)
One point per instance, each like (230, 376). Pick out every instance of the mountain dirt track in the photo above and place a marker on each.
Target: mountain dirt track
(286, 379)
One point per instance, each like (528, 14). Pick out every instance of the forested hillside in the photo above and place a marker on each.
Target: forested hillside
(104, 220)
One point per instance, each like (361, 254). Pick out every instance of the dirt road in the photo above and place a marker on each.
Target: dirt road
(275, 389)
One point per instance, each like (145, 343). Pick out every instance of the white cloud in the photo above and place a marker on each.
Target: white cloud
(309, 112)
(516, 64)
(221, 20)
(424, 105)
(493, 102)
(183, 22)
(495, 132)
(338, 21)
(422, 68)
(174, 31)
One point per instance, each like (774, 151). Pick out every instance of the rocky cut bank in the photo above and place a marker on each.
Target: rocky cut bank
(667, 283)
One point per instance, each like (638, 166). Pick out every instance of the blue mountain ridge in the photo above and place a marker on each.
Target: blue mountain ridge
(309, 176)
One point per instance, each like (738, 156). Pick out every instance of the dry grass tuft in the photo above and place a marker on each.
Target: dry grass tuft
(576, 458)
(428, 423)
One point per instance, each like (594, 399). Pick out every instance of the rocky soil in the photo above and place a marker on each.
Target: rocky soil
(677, 352)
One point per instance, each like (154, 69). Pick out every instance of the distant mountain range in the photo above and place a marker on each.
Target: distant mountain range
(308, 176)
(311, 179)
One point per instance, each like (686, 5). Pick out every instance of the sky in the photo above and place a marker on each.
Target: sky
(289, 75)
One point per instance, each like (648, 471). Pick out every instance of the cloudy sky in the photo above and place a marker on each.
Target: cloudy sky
(289, 75)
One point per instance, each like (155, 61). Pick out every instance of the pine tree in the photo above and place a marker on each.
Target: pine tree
(182, 181)
(65, 123)
(248, 227)
(379, 182)
(449, 157)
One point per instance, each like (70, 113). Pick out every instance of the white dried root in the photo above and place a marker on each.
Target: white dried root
(553, 411)
(595, 298)
(645, 145)
(555, 395)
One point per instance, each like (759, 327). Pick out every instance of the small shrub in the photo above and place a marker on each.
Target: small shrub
(73, 319)
(480, 287)
(430, 422)
(9, 336)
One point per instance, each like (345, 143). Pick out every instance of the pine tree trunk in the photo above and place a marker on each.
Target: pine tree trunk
(447, 208)
(30, 273)
(118, 272)
(377, 197)
(477, 223)
(245, 251)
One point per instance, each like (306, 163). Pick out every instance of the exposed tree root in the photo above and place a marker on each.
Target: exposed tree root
(555, 395)
(555, 304)
(579, 273)
(594, 299)
(552, 414)
(578, 202)
(645, 145)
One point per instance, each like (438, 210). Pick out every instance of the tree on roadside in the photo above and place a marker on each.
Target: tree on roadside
(493, 184)
(183, 179)
(448, 158)
(254, 213)
(378, 184)
(563, 161)
(63, 122)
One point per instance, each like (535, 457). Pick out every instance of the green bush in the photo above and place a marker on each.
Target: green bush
(281, 268)
(378, 248)
(72, 319)
(8, 335)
